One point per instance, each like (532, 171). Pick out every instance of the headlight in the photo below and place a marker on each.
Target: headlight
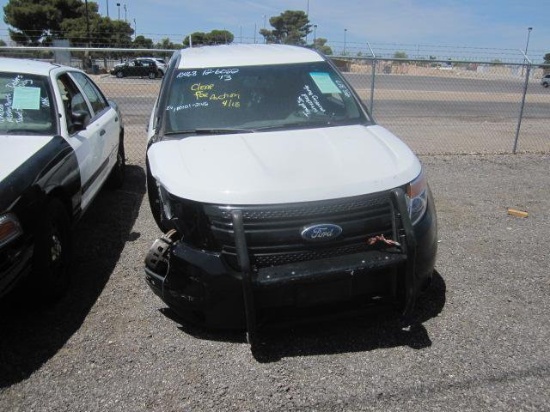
(188, 218)
(417, 197)
(10, 228)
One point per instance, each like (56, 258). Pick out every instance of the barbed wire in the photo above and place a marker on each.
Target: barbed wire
(338, 47)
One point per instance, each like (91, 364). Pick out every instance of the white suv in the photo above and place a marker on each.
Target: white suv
(160, 63)
(545, 81)
(277, 191)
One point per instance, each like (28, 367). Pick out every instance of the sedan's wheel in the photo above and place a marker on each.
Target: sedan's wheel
(152, 75)
(50, 274)
(545, 84)
(119, 74)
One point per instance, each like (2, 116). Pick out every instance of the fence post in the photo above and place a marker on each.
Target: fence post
(525, 86)
(371, 108)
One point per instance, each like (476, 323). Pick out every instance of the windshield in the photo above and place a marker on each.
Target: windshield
(255, 98)
(26, 105)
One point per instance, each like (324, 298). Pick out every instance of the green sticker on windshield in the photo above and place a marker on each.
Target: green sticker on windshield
(325, 83)
(26, 98)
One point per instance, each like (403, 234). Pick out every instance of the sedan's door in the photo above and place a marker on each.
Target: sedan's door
(134, 68)
(96, 141)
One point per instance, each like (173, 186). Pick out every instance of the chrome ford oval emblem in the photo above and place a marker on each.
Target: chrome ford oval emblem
(320, 232)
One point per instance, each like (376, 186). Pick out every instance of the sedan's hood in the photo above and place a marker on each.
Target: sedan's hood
(283, 166)
(17, 149)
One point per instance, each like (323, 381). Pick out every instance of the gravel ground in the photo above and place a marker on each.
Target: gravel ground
(480, 341)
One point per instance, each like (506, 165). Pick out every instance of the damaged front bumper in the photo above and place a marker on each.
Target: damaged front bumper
(201, 287)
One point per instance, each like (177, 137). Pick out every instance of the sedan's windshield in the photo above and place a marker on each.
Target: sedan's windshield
(26, 106)
(260, 98)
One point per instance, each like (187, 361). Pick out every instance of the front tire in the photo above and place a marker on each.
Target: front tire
(119, 74)
(50, 277)
(152, 75)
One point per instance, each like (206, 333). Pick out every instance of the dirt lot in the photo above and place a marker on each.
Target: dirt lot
(480, 340)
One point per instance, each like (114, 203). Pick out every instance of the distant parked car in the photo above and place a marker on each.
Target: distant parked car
(140, 67)
(61, 140)
(160, 63)
(545, 81)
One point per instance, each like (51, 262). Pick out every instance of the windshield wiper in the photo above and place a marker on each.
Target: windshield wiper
(22, 131)
(210, 131)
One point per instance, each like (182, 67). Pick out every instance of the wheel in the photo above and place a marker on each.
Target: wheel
(50, 276)
(117, 175)
(545, 84)
(152, 75)
(119, 74)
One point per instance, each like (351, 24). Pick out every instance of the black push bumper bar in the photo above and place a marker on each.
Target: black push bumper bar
(403, 234)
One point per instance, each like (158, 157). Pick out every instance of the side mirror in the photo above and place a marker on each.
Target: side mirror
(79, 120)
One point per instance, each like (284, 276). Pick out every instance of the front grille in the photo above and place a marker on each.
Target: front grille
(273, 232)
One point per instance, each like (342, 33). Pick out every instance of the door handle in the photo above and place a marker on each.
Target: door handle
(102, 132)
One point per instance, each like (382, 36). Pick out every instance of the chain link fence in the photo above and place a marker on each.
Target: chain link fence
(457, 107)
(437, 107)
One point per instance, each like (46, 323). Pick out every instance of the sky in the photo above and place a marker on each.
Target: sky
(469, 29)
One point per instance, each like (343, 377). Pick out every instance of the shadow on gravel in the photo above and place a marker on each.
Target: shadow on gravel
(371, 329)
(31, 335)
(362, 330)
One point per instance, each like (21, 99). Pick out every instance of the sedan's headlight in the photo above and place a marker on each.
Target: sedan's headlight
(417, 197)
(10, 228)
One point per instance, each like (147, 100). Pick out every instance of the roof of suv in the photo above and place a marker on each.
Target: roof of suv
(245, 55)
(26, 66)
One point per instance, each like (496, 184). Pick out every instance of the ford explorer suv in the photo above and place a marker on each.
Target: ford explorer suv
(61, 141)
(276, 191)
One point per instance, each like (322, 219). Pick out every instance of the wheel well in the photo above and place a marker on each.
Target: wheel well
(60, 194)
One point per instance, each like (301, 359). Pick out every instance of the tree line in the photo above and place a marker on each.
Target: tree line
(42, 22)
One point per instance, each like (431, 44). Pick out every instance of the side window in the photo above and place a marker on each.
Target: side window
(96, 98)
(73, 100)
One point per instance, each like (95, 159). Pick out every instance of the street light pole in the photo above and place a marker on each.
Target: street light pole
(87, 24)
(345, 35)
(118, 5)
(529, 29)
(307, 16)
(314, 35)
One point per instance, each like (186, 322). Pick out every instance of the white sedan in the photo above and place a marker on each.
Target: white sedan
(61, 140)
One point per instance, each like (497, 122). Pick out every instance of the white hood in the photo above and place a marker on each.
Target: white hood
(283, 166)
(16, 149)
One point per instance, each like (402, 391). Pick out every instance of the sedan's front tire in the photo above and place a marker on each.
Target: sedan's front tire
(120, 74)
(50, 275)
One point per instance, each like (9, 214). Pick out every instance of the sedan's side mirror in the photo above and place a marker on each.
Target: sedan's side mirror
(79, 120)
